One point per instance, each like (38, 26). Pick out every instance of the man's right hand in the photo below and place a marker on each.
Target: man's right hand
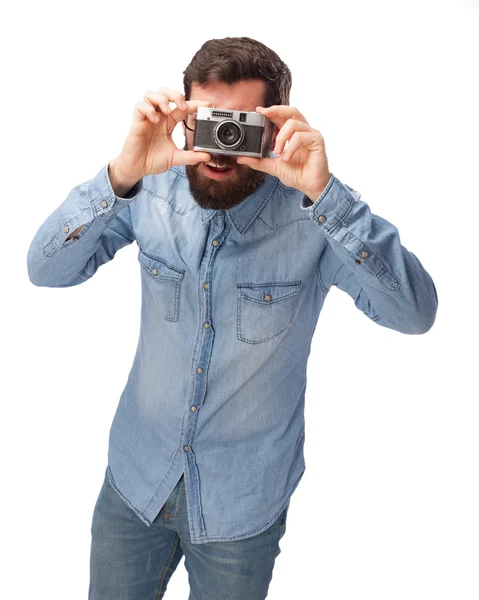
(149, 148)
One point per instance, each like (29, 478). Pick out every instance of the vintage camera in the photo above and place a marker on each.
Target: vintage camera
(233, 132)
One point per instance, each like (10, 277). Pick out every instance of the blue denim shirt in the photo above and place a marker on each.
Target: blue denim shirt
(230, 302)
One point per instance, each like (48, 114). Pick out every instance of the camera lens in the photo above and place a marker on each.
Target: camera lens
(229, 134)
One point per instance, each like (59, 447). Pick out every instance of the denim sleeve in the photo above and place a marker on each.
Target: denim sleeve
(52, 261)
(365, 258)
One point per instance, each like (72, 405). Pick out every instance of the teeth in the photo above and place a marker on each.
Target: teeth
(212, 164)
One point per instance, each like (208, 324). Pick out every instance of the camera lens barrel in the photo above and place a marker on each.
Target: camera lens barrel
(228, 134)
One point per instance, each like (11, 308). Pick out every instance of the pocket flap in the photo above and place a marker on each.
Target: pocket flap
(159, 268)
(266, 293)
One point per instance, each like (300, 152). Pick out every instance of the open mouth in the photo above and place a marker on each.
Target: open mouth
(217, 172)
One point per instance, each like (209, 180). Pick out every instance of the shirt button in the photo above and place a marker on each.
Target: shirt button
(193, 409)
(104, 203)
(154, 271)
(66, 229)
(267, 297)
(357, 261)
(216, 243)
(199, 370)
(364, 254)
(206, 325)
(186, 448)
(322, 219)
(205, 285)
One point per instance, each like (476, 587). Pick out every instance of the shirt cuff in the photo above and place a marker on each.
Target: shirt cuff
(341, 214)
(94, 198)
(332, 207)
(103, 197)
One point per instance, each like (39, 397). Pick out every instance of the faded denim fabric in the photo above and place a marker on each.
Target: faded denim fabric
(230, 302)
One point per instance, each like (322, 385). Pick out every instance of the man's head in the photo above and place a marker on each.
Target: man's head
(241, 74)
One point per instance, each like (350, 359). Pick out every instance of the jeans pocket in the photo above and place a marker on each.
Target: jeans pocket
(264, 310)
(164, 282)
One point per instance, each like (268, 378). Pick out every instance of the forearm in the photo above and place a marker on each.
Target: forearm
(120, 183)
(82, 233)
(366, 259)
(121, 187)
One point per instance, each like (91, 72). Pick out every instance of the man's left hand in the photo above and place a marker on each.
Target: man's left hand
(303, 165)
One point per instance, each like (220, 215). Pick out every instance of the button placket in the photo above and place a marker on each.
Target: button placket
(205, 348)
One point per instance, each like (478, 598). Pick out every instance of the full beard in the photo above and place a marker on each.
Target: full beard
(222, 195)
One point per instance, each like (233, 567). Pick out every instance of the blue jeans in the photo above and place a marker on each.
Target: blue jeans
(131, 561)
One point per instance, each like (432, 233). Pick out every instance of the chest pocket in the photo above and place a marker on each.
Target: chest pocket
(265, 309)
(164, 281)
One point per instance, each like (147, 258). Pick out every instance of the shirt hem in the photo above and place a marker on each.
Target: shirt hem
(204, 539)
(125, 500)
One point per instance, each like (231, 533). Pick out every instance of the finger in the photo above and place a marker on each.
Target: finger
(267, 165)
(161, 101)
(173, 96)
(298, 140)
(188, 157)
(146, 111)
(191, 107)
(280, 113)
(158, 100)
(179, 99)
(287, 131)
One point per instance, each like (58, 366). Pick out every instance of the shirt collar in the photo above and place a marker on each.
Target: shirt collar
(243, 214)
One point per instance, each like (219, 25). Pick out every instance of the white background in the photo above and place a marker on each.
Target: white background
(388, 505)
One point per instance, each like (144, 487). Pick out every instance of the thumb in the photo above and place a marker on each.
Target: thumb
(188, 157)
(267, 165)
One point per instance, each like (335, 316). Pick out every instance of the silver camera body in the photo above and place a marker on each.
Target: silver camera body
(232, 132)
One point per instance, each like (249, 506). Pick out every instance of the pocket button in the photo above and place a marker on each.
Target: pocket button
(265, 309)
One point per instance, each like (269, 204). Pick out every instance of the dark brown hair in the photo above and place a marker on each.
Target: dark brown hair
(231, 59)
